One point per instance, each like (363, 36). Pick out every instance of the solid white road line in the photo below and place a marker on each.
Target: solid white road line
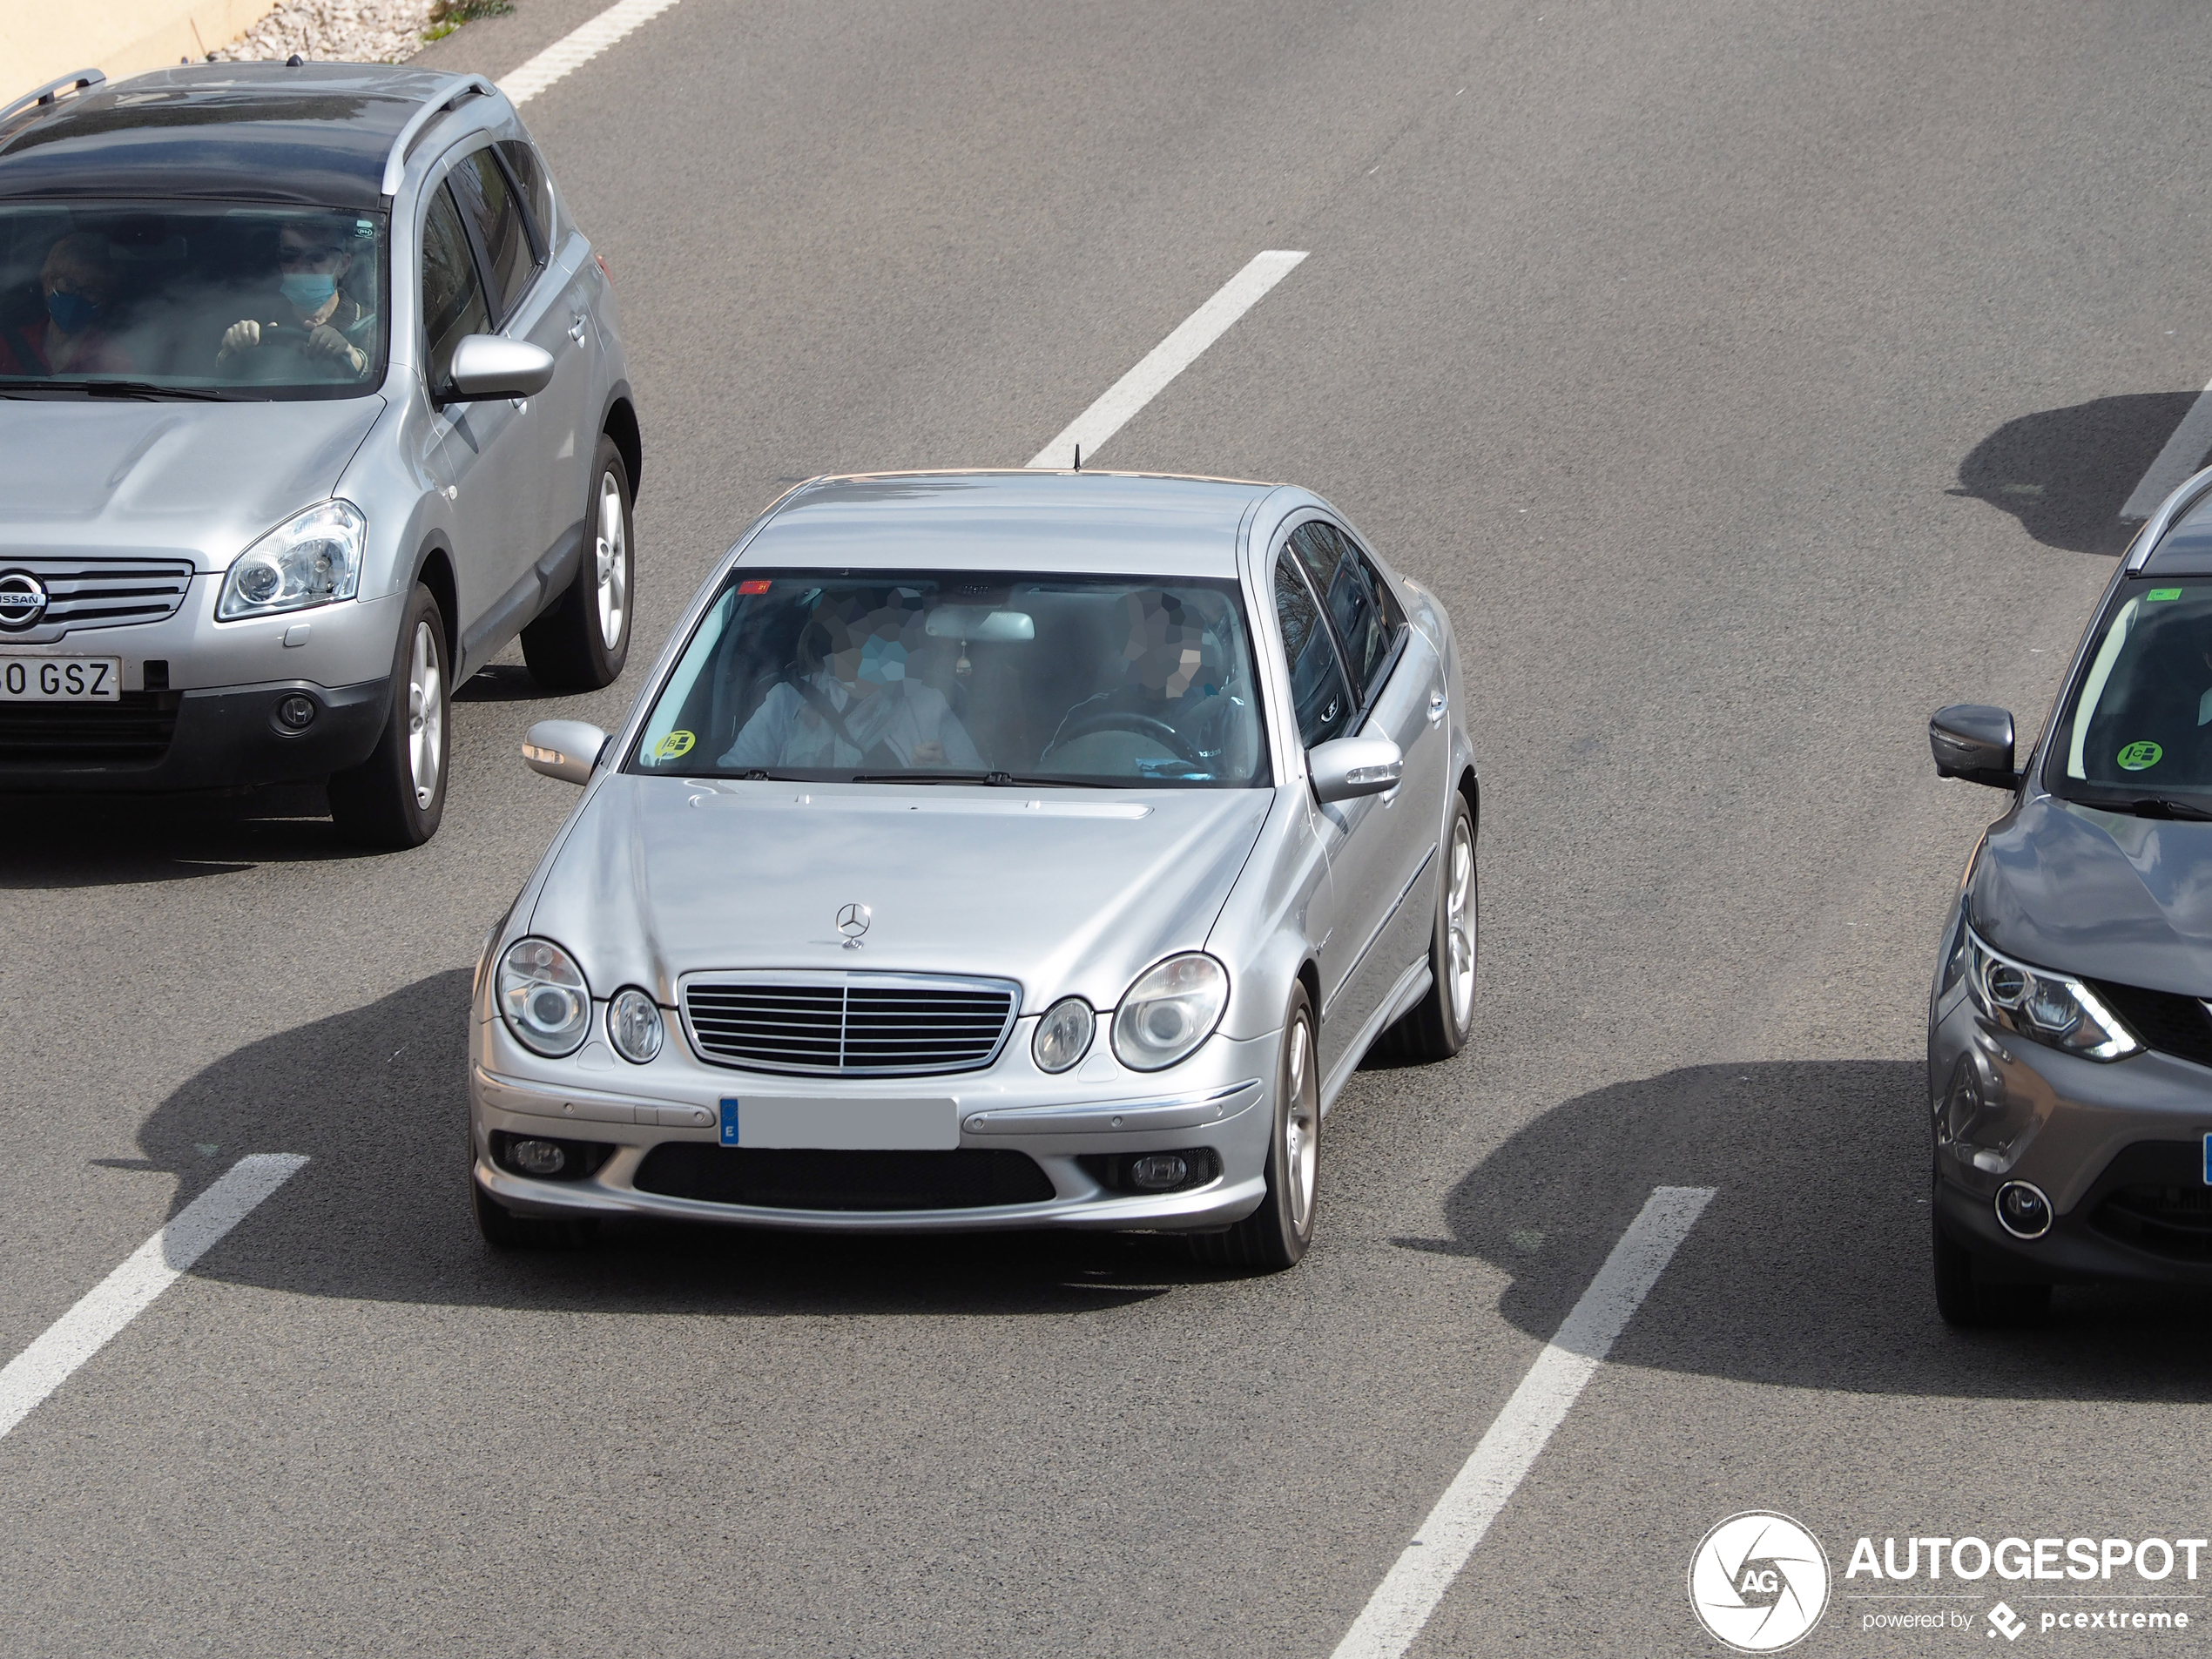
(1401, 1604)
(2191, 442)
(1167, 359)
(123, 1295)
(579, 46)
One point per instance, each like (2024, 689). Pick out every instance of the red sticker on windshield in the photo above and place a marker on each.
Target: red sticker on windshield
(753, 587)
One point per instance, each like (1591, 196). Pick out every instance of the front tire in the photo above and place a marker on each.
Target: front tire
(397, 796)
(581, 644)
(1439, 1024)
(1277, 1235)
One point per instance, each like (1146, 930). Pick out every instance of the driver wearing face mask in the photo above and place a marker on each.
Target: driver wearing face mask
(854, 704)
(334, 333)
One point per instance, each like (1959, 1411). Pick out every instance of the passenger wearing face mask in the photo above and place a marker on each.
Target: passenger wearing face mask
(329, 332)
(71, 338)
(852, 704)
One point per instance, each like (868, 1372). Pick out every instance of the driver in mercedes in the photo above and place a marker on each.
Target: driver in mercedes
(853, 704)
(311, 310)
(1177, 676)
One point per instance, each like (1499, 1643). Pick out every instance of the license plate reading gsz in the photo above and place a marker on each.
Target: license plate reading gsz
(60, 679)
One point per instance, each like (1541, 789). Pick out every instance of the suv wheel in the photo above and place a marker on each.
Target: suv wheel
(580, 644)
(396, 797)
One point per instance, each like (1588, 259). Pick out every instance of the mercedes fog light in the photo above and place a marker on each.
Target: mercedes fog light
(634, 1025)
(2022, 1209)
(1063, 1035)
(538, 1157)
(1157, 1171)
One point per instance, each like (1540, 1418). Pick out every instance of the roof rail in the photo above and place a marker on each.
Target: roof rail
(53, 90)
(442, 99)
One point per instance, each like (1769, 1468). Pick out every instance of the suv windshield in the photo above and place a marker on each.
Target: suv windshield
(938, 675)
(190, 300)
(2139, 729)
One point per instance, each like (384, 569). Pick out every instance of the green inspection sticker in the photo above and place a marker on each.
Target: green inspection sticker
(2138, 756)
(2156, 594)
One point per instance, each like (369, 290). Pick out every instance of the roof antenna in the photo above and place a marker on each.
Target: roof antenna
(1079, 457)
(294, 61)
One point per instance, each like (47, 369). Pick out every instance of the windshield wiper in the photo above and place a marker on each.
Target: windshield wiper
(119, 388)
(2148, 806)
(995, 779)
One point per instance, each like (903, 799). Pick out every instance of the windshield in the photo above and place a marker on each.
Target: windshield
(190, 300)
(939, 675)
(2140, 726)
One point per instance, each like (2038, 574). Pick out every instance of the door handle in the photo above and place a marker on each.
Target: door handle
(1437, 704)
(576, 328)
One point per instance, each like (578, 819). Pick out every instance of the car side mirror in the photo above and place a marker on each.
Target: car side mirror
(563, 749)
(486, 366)
(1973, 741)
(1345, 768)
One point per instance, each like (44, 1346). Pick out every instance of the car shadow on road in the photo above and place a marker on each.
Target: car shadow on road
(2065, 474)
(65, 841)
(375, 1098)
(1809, 1268)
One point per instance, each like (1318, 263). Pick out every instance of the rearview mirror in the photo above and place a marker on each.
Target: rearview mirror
(1973, 741)
(980, 625)
(486, 366)
(563, 749)
(1349, 767)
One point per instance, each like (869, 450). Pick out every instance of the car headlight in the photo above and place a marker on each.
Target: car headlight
(1063, 1035)
(313, 558)
(1170, 1011)
(2048, 1006)
(542, 994)
(634, 1025)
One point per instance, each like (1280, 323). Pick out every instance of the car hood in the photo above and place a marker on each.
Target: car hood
(1063, 890)
(2101, 894)
(203, 480)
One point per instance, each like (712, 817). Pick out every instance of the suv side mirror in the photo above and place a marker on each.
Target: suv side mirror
(1973, 741)
(486, 366)
(1345, 768)
(563, 749)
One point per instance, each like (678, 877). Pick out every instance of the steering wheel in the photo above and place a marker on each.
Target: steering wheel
(286, 337)
(1143, 726)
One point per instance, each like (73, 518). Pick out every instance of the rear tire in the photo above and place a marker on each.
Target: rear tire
(1275, 1234)
(1966, 1301)
(581, 642)
(397, 796)
(1439, 1024)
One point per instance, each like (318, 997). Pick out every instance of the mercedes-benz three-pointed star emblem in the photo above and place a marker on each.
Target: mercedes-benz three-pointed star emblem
(853, 922)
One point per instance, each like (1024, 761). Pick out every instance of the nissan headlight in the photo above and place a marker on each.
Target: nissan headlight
(634, 1025)
(313, 558)
(1170, 1011)
(2048, 1006)
(543, 994)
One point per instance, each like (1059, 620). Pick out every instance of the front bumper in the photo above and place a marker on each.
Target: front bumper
(1215, 1102)
(2118, 1147)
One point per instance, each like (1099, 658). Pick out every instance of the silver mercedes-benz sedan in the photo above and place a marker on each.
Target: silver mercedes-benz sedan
(990, 850)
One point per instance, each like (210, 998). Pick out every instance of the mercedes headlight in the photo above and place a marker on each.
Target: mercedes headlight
(2050, 1008)
(542, 994)
(634, 1025)
(1170, 1011)
(313, 558)
(1063, 1035)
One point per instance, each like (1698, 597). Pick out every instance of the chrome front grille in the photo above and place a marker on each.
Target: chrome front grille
(850, 1025)
(84, 593)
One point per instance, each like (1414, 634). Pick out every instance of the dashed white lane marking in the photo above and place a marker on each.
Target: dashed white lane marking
(1401, 1604)
(2191, 441)
(1169, 358)
(579, 47)
(123, 1295)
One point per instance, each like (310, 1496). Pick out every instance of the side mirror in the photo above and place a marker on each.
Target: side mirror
(1973, 741)
(486, 366)
(563, 749)
(1348, 767)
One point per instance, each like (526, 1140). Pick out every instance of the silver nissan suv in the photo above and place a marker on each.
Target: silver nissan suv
(312, 399)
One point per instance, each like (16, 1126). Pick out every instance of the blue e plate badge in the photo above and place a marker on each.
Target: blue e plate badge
(729, 1123)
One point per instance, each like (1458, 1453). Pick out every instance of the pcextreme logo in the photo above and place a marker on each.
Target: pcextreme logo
(1758, 1582)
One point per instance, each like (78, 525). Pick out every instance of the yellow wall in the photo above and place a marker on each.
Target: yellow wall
(40, 39)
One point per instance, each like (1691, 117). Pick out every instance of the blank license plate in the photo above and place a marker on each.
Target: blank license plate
(60, 679)
(842, 1125)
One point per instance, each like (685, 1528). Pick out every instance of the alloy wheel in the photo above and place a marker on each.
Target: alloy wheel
(425, 717)
(612, 555)
(1459, 935)
(1301, 1127)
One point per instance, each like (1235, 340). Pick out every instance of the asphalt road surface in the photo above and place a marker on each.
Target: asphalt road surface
(1748, 381)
